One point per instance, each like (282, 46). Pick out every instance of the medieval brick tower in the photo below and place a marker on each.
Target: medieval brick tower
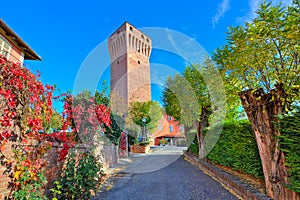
(129, 51)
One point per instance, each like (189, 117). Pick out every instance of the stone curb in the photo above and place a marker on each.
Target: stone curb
(242, 189)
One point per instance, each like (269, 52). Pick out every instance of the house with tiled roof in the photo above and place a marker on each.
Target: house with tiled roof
(169, 130)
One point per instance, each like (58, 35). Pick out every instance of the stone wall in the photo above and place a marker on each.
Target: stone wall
(108, 157)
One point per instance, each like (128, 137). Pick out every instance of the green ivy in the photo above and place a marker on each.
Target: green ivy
(80, 178)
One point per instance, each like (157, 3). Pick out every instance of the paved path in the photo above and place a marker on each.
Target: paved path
(163, 174)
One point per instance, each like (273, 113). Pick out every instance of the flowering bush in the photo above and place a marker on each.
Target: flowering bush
(26, 104)
(82, 173)
(84, 117)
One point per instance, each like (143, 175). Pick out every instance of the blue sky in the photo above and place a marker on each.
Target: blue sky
(63, 33)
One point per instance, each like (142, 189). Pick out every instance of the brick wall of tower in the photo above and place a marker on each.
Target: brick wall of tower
(139, 88)
(129, 51)
(118, 84)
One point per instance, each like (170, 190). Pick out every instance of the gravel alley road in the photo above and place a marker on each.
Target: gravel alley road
(163, 174)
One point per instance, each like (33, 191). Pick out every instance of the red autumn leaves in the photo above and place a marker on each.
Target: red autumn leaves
(26, 104)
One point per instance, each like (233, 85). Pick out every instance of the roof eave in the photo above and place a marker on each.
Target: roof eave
(29, 53)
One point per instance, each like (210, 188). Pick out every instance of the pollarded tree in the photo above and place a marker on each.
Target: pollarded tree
(261, 63)
(194, 98)
(193, 75)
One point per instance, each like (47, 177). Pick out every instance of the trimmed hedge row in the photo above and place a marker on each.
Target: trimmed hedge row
(290, 145)
(236, 148)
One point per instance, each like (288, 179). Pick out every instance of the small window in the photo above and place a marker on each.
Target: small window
(159, 127)
(171, 128)
(169, 117)
(5, 47)
(142, 36)
(139, 62)
(147, 39)
(131, 28)
(118, 62)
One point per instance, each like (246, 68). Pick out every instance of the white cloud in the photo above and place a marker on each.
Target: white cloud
(221, 10)
(254, 5)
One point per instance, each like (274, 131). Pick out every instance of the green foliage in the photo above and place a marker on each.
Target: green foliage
(197, 88)
(264, 52)
(196, 98)
(80, 178)
(55, 123)
(101, 97)
(55, 120)
(31, 189)
(133, 135)
(151, 110)
(163, 141)
(289, 143)
(236, 148)
(194, 148)
(144, 143)
(178, 91)
(56, 191)
(113, 133)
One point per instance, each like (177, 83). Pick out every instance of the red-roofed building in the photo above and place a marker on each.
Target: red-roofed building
(169, 130)
(13, 47)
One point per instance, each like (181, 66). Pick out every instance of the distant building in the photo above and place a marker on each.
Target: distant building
(13, 47)
(170, 131)
(129, 51)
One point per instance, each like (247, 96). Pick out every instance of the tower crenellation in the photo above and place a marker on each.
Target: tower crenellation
(127, 38)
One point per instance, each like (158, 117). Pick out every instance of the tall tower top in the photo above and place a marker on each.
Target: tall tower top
(127, 38)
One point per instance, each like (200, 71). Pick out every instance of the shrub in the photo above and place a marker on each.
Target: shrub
(289, 143)
(81, 177)
(163, 141)
(236, 148)
(144, 143)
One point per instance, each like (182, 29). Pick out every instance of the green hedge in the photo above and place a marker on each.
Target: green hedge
(290, 144)
(236, 148)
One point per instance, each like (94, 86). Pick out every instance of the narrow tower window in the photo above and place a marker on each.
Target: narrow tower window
(129, 40)
(133, 42)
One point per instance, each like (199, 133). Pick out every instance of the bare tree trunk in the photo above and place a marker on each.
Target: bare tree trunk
(200, 139)
(200, 126)
(186, 134)
(262, 109)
